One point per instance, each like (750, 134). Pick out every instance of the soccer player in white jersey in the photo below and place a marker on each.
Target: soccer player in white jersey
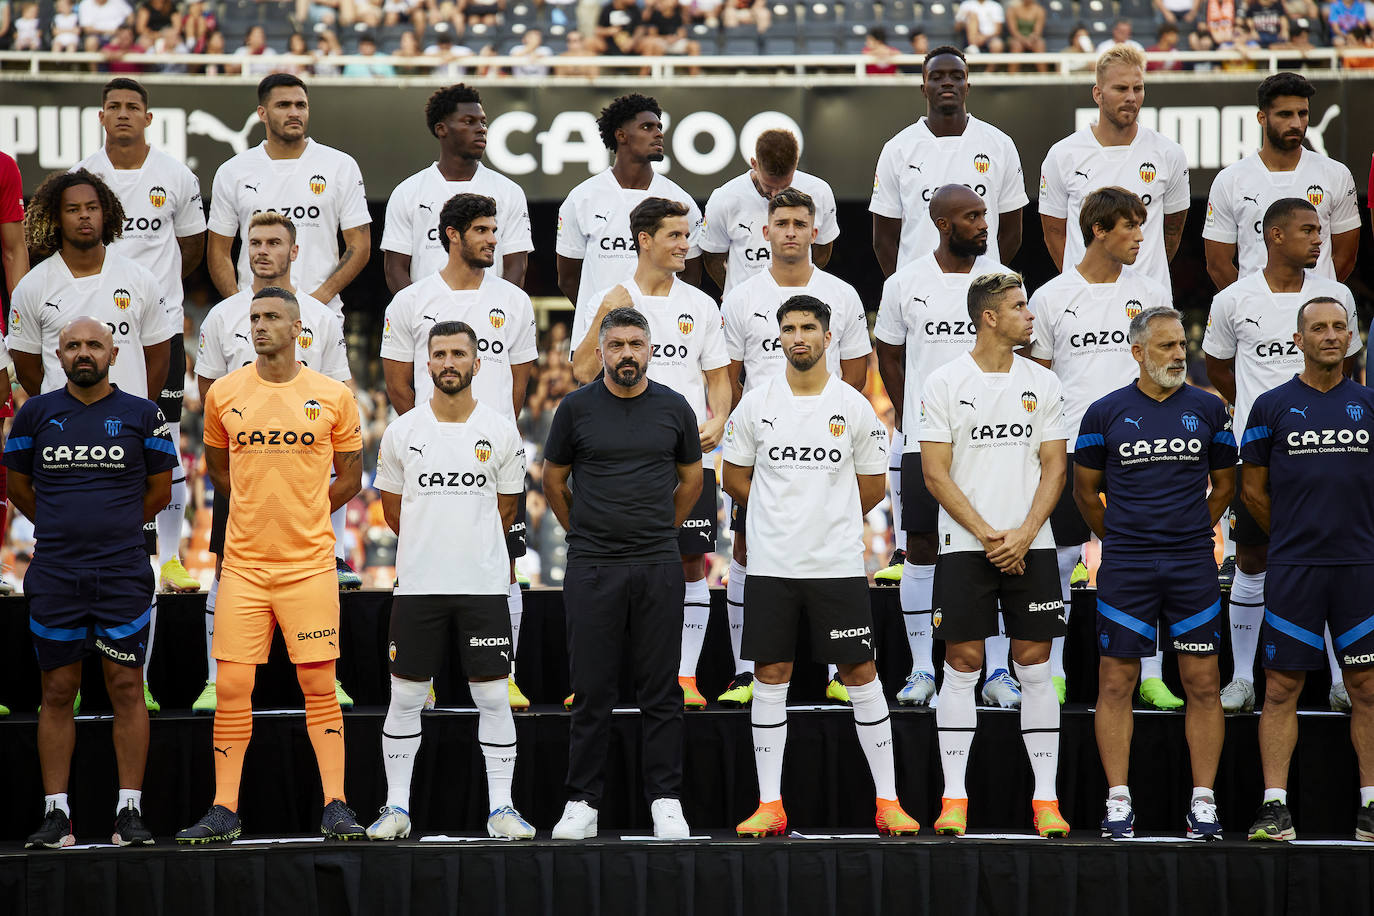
(992, 452)
(1082, 319)
(947, 146)
(734, 246)
(73, 219)
(756, 356)
(689, 357)
(596, 246)
(164, 230)
(466, 290)
(412, 243)
(317, 187)
(1283, 167)
(1117, 151)
(922, 324)
(226, 344)
(795, 435)
(456, 465)
(1249, 348)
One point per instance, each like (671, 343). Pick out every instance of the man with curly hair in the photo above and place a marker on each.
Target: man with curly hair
(413, 242)
(72, 219)
(596, 249)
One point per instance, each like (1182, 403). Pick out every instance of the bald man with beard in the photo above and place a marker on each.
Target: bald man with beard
(922, 324)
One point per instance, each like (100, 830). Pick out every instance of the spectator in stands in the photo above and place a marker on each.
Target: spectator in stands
(255, 45)
(705, 12)
(317, 12)
(366, 12)
(367, 47)
(879, 53)
(1121, 35)
(663, 30)
(196, 25)
(1300, 35)
(169, 41)
(446, 54)
(1300, 12)
(99, 19)
(920, 46)
(327, 46)
(409, 59)
(1221, 22)
(532, 52)
(1200, 39)
(578, 46)
(66, 27)
(152, 17)
(394, 12)
(981, 23)
(214, 44)
(1344, 17)
(296, 46)
(1178, 11)
(747, 12)
(1026, 30)
(485, 12)
(1266, 23)
(27, 29)
(1166, 40)
(122, 43)
(615, 28)
(1361, 37)
(6, 25)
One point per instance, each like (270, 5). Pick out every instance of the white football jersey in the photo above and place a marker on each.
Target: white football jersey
(735, 216)
(412, 217)
(1244, 190)
(926, 310)
(996, 422)
(448, 475)
(751, 323)
(321, 192)
(1081, 327)
(124, 295)
(498, 311)
(805, 520)
(226, 339)
(161, 204)
(1254, 326)
(594, 226)
(915, 164)
(1152, 167)
(685, 330)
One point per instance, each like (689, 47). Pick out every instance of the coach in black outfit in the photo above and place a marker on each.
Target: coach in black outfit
(633, 452)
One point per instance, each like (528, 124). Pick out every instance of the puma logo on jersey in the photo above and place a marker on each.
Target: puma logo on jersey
(1084, 174)
(916, 167)
(1300, 412)
(418, 449)
(251, 187)
(1135, 423)
(427, 207)
(52, 305)
(600, 217)
(431, 318)
(237, 411)
(919, 299)
(244, 336)
(761, 315)
(1254, 321)
(1251, 199)
(744, 227)
(969, 403)
(1073, 312)
(761, 420)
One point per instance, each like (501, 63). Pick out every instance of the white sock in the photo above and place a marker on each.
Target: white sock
(899, 536)
(956, 718)
(515, 603)
(58, 801)
(401, 738)
(1247, 612)
(496, 734)
(1228, 540)
(129, 795)
(1040, 727)
(734, 612)
(696, 611)
(918, 587)
(338, 521)
(768, 717)
(997, 649)
(211, 667)
(1152, 666)
(1336, 676)
(1366, 796)
(152, 631)
(170, 521)
(1119, 792)
(1066, 558)
(1278, 795)
(1204, 793)
(874, 725)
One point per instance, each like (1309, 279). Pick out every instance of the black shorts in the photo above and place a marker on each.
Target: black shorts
(515, 534)
(219, 520)
(173, 388)
(1245, 531)
(77, 612)
(1300, 602)
(920, 511)
(697, 535)
(969, 591)
(1066, 522)
(422, 627)
(836, 610)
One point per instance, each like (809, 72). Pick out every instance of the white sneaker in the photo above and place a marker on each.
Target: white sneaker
(505, 821)
(669, 824)
(394, 824)
(1001, 690)
(578, 822)
(1238, 696)
(920, 687)
(1339, 697)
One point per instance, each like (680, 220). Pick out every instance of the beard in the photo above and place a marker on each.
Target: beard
(81, 244)
(87, 375)
(627, 373)
(451, 383)
(1159, 374)
(655, 157)
(1279, 142)
(803, 363)
(967, 248)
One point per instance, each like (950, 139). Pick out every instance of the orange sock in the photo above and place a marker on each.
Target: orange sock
(233, 728)
(324, 724)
